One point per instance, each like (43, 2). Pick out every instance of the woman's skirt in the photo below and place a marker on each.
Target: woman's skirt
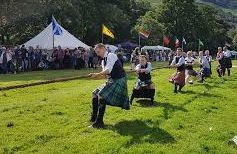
(115, 93)
(178, 78)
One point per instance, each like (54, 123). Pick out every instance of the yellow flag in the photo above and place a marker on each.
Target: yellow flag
(107, 32)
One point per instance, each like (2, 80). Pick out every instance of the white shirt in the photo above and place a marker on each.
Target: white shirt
(181, 61)
(204, 62)
(189, 60)
(8, 55)
(227, 53)
(111, 58)
(148, 69)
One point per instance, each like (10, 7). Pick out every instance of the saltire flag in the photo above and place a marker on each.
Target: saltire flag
(177, 43)
(144, 34)
(106, 31)
(56, 27)
(184, 41)
(200, 43)
(166, 40)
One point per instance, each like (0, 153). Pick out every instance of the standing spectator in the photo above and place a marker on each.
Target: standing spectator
(3, 60)
(91, 55)
(54, 61)
(18, 54)
(134, 58)
(25, 58)
(61, 55)
(95, 60)
(86, 58)
(67, 59)
(31, 58)
(120, 57)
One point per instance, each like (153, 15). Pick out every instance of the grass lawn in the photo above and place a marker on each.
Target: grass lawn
(54, 118)
(36, 76)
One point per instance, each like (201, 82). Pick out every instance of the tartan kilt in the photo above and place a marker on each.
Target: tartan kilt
(115, 93)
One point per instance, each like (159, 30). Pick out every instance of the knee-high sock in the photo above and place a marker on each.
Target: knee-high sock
(95, 107)
(102, 107)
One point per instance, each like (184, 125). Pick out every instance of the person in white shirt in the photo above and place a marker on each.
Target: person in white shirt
(189, 71)
(204, 65)
(178, 79)
(209, 58)
(144, 87)
(227, 59)
(114, 92)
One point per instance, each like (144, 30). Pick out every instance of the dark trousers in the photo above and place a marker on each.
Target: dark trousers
(90, 62)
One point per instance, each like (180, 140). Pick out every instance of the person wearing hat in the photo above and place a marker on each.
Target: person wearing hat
(114, 92)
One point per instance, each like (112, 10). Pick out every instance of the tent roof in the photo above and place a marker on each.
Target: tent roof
(155, 48)
(112, 48)
(127, 45)
(44, 40)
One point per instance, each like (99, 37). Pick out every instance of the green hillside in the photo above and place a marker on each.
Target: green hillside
(227, 9)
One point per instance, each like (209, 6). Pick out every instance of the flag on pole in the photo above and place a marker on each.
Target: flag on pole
(166, 40)
(177, 43)
(56, 27)
(200, 43)
(184, 41)
(144, 34)
(106, 31)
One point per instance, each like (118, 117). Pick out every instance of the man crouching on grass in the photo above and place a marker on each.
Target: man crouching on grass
(114, 92)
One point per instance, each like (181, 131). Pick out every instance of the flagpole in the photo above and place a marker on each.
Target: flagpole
(102, 35)
(163, 40)
(53, 40)
(199, 47)
(139, 40)
(182, 45)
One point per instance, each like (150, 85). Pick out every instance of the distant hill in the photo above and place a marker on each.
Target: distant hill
(228, 8)
(231, 4)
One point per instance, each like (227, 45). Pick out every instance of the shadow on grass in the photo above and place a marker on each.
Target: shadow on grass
(167, 107)
(142, 132)
(201, 94)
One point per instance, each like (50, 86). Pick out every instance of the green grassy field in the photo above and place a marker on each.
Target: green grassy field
(23, 78)
(54, 118)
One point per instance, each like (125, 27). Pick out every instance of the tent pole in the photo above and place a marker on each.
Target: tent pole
(53, 40)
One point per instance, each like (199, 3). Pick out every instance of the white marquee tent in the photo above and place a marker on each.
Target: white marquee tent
(44, 40)
(156, 48)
